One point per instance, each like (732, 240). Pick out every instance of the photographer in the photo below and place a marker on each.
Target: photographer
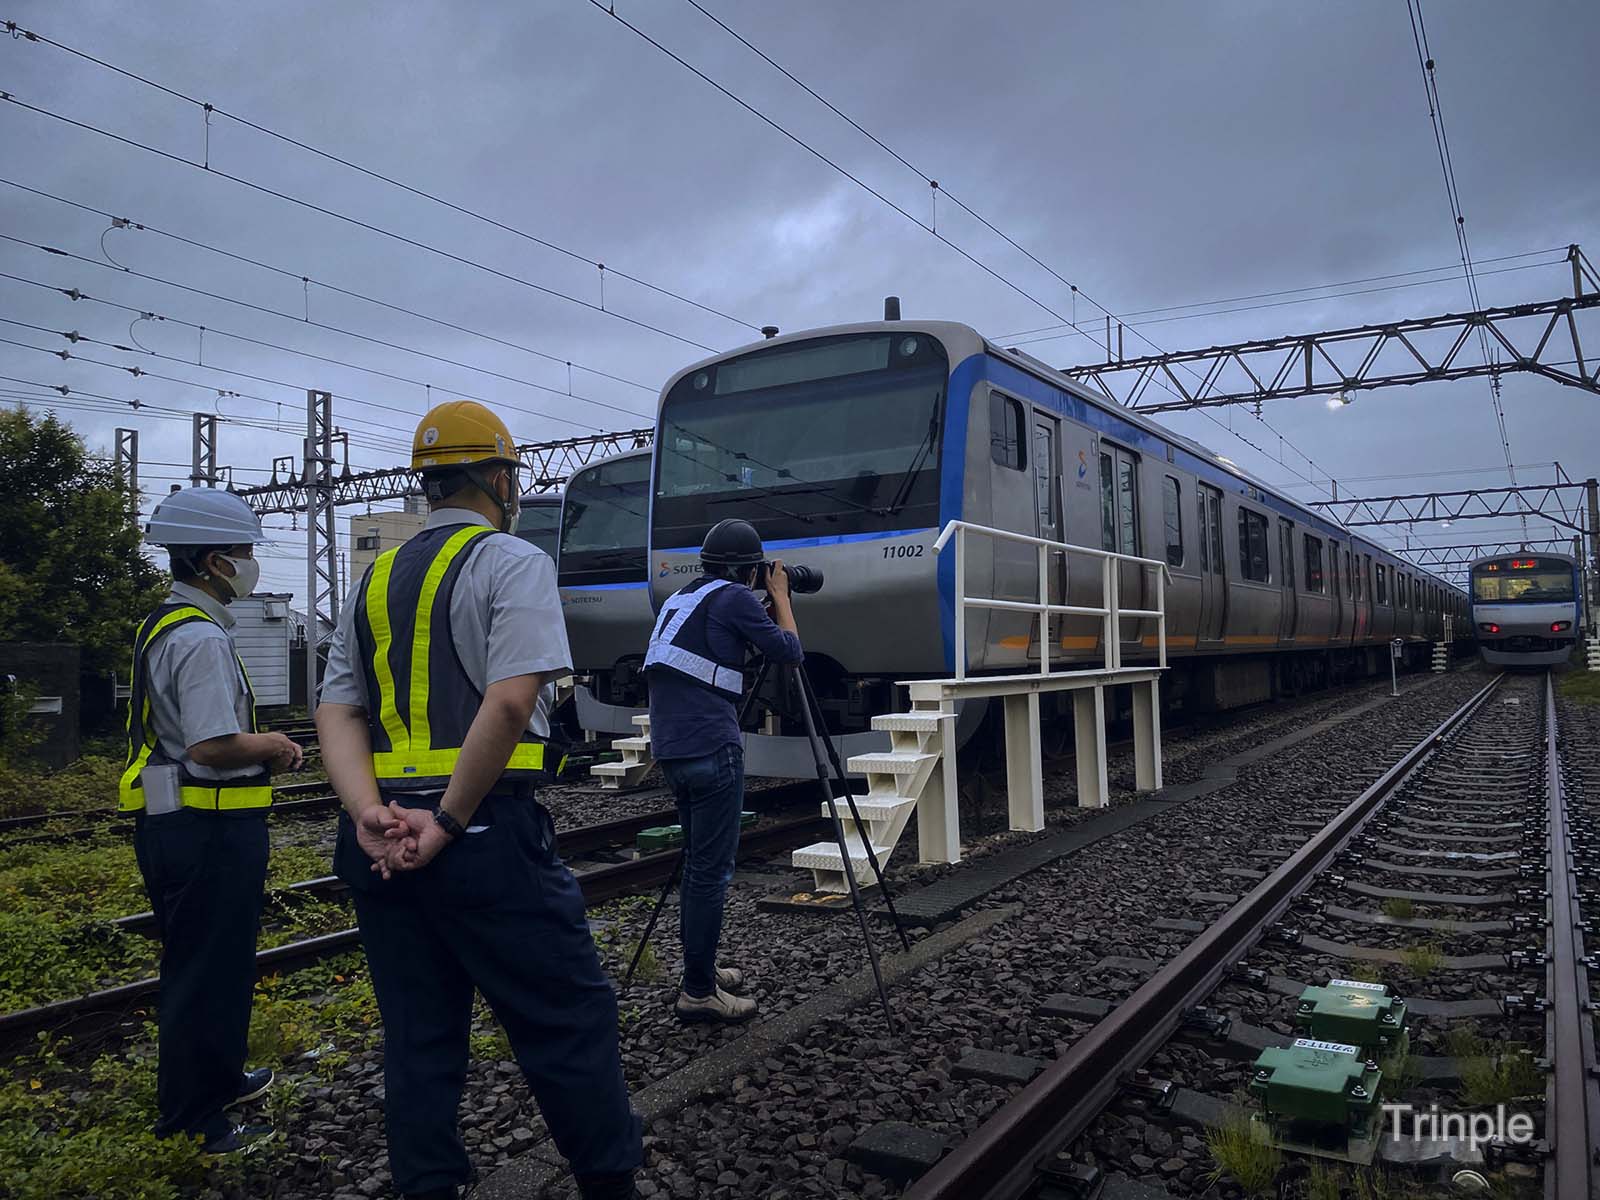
(695, 665)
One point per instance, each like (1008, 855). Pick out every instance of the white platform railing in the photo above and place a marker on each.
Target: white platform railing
(1109, 611)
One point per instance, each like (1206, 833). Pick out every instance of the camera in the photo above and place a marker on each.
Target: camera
(803, 581)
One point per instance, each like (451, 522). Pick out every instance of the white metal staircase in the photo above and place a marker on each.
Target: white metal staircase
(636, 761)
(895, 781)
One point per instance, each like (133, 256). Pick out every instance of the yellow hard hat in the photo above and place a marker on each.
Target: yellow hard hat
(460, 433)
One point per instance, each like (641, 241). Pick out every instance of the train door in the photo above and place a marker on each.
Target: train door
(1288, 602)
(1119, 527)
(1335, 591)
(1213, 575)
(1045, 461)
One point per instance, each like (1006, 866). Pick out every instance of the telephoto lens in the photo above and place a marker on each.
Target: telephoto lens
(804, 580)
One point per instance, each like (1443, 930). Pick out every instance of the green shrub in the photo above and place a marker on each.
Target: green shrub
(1400, 908)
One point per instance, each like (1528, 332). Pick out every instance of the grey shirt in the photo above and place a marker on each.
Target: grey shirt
(505, 619)
(195, 689)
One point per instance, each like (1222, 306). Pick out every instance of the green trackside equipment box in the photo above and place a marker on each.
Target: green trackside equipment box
(670, 837)
(1349, 1011)
(1317, 1082)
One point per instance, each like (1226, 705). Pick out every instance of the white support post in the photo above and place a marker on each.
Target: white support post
(1044, 614)
(1147, 736)
(1024, 769)
(960, 629)
(1161, 621)
(1089, 721)
(1109, 632)
(939, 806)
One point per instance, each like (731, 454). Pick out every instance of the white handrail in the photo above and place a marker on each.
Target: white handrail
(1110, 610)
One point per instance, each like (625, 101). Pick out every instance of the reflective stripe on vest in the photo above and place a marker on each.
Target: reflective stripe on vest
(674, 622)
(421, 701)
(144, 747)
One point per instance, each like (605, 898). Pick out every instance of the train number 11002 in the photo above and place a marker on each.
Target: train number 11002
(904, 550)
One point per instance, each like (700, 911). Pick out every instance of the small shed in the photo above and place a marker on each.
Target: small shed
(261, 633)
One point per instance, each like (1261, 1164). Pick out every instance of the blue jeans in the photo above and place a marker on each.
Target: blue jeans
(710, 793)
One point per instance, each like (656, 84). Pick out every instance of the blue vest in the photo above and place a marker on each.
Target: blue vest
(678, 643)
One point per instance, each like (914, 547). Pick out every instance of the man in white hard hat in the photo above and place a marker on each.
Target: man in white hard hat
(198, 783)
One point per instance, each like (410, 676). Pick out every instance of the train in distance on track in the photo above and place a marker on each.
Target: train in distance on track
(539, 520)
(1526, 608)
(850, 447)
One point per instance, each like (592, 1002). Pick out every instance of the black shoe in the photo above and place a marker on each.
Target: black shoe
(618, 1186)
(238, 1138)
(254, 1084)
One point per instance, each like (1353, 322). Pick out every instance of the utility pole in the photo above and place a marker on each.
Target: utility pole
(203, 456)
(322, 553)
(126, 465)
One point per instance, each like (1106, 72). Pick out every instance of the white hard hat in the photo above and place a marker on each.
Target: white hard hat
(202, 516)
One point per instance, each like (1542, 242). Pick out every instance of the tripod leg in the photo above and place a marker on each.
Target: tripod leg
(823, 780)
(655, 915)
(809, 699)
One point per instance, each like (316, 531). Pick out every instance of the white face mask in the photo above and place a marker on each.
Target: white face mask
(247, 573)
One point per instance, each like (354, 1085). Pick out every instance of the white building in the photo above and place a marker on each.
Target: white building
(374, 533)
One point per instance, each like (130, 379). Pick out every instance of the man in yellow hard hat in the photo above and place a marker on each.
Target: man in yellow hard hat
(432, 724)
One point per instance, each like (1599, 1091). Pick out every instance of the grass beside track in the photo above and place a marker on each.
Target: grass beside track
(57, 903)
(1582, 686)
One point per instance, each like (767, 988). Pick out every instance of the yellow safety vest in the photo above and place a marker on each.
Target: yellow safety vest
(421, 700)
(220, 795)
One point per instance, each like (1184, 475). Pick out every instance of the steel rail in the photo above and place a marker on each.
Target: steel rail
(1572, 1094)
(107, 1007)
(1000, 1159)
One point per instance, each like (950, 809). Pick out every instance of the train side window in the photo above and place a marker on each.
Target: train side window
(1333, 568)
(1253, 546)
(1314, 581)
(1214, 504)
(1108, 503)
(1005, 432)
(1172, 521)
(1380, 592)
(1349, 578)
(1128, 503)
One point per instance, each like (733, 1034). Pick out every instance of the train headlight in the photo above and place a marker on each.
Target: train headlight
(1560, 626)
(1488, 627)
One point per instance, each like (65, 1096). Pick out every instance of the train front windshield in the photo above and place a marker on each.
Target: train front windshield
(1523, 581)
(603, 523)
(539, 522)
(818, 438)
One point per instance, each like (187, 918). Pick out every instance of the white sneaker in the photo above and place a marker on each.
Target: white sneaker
(730, 979)
(720, 1006)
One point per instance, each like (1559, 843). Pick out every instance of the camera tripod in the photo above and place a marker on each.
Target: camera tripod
(829, 770)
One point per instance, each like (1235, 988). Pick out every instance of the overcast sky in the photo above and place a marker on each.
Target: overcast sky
(1155, 154)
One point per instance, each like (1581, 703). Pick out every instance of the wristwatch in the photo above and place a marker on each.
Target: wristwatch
(447, 823)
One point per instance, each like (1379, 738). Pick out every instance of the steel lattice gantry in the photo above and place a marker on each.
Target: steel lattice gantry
(546, 466)
(1559, 503)
(1542, 338)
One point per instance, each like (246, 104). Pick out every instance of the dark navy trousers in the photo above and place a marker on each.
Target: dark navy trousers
(204, 873)
(710, 793)
(498, 911)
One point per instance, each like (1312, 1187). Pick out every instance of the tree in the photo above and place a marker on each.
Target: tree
(71, 568)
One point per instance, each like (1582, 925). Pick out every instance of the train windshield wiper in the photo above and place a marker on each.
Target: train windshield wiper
(924, 448)
(745, 497)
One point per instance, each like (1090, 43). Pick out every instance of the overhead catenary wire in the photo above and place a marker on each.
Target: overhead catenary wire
(127, 223)
(1043, 336)
(144, 313)
(1441, 141)
(416, 243)
(210, 108)
(928, 227)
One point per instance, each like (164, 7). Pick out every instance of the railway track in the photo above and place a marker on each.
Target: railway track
(107, 1009)
(1497, 761)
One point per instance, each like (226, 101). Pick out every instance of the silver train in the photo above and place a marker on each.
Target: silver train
(605, 596)
(1526, 608)
(850, 447)
(539, 522)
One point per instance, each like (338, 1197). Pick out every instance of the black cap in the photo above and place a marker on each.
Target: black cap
(732, 543)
